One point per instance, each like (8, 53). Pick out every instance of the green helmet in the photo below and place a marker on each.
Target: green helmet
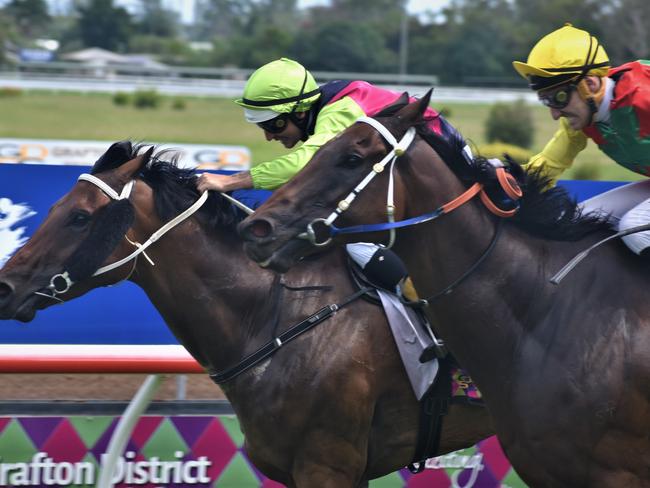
(283, 86)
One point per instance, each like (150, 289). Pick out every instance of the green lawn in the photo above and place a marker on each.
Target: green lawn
(218, 121)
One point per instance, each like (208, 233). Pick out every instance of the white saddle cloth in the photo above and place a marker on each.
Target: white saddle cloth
(411, 337)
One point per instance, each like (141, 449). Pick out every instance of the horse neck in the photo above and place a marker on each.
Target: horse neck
(506, 300)
(437, 253)
(213, 298)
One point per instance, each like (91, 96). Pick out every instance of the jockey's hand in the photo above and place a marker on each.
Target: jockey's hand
(223, 183)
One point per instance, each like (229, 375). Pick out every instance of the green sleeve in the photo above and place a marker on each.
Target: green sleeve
(331, 120)
(559, 153)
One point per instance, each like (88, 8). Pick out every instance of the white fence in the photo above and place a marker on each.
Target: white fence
(222, 82)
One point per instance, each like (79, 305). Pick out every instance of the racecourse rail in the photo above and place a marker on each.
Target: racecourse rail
(93, 358)
(224, 82)
(47, 358)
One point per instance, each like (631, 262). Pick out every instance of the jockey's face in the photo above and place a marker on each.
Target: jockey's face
(576, 111)
(290, 136)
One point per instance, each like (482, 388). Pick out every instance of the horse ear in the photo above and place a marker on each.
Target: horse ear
(118, 153)
(131, 168)
(414, 112)
(393, 108)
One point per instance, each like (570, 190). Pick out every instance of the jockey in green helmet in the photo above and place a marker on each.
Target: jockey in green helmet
(283, 99)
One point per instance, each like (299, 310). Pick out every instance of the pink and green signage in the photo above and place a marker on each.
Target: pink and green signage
(186, 451)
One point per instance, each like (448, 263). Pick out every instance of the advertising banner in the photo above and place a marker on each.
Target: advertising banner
(84, 153)
(186, 451)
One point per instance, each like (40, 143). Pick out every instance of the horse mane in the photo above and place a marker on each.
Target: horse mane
(545, 211)
(174, 188)
(550, 212)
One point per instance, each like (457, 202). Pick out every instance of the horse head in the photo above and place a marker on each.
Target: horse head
(82, 231)
(355, 177)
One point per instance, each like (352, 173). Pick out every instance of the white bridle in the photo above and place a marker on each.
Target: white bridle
(140, 248)
(398, 149)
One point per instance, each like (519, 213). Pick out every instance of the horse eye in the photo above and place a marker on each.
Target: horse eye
(79, 219)
(351, 159)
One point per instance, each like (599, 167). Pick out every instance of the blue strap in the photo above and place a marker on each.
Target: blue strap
(387, 225)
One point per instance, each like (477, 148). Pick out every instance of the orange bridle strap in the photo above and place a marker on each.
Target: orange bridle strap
(508, 184)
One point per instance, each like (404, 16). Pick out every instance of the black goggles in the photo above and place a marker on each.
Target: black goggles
(276, 125)
(559, 98)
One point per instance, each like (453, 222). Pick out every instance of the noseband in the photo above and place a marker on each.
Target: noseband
(506, 180)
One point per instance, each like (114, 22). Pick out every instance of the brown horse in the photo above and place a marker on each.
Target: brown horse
(331, 409)
(564, 370)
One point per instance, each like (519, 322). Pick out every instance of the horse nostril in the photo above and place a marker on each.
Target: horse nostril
(260, 228)
(6, 290)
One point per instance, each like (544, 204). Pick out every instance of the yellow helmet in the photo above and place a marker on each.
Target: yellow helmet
(564, 55)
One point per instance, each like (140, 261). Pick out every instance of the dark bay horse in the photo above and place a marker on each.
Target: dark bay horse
(333, 408)
(565, 370)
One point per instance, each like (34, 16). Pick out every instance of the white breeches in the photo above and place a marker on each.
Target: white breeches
(638, 215)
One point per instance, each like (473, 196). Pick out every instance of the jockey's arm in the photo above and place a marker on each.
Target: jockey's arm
(224, 183)
(559, 153)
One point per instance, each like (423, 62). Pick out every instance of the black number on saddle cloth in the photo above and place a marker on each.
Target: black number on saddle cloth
(106, 233)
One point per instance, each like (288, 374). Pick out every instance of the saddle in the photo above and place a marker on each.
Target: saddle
(409, 298)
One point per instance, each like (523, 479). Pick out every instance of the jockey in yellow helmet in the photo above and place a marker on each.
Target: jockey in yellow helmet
(570, 71)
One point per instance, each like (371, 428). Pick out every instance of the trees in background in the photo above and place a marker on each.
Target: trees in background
(627, 29)
(155, 20)
(468, 42)
(344, 45)
(101, 24)
(29, 17)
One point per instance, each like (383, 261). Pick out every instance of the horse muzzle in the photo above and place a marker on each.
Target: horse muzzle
(6, 295)
(11, 308)
(19, 306)
(270, 248)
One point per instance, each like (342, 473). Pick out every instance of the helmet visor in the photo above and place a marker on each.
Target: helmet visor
(558, 98)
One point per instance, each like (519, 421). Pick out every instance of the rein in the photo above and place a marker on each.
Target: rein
(63, 279)
(452, 286)
(507, 182)
(287, 336)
